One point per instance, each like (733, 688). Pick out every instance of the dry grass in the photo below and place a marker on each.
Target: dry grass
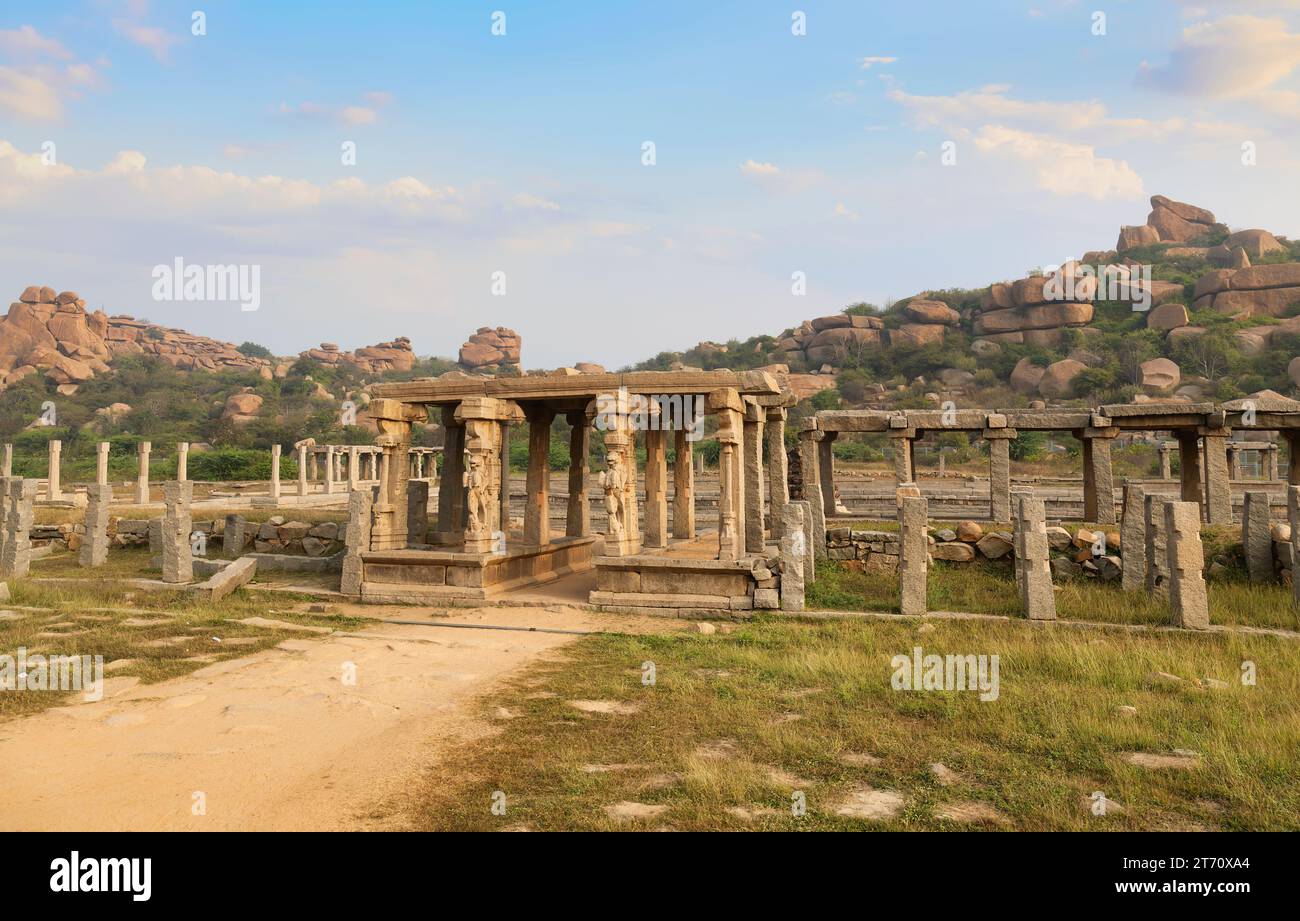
(743, 721)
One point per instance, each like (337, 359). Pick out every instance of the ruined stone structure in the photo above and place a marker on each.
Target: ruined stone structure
(1188, 602)
(645, 560)
(914, 555)
(18, 496)
(94, 543)
(177, 558)
(1033, 573)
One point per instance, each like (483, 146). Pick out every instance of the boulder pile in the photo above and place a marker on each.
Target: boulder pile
(489, 350)
(372, 359)
(1259, 291)
(1169, 222)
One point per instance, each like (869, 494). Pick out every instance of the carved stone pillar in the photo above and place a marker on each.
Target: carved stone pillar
(142, 480)
(752, 450)
(683, 486)
(537, 492)
(826, 472)
(778, 475)
(730, 410)
(393, 419)
(482, 418)
(619, 480)
(451, 491)
(999, 440)
(656, 488)
(1098, 479)
(578, 521)
(1189, 466)
(1218, 488)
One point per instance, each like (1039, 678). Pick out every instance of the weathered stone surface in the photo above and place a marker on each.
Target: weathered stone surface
(1167, 316)
(916, 334)
(1133, 539)
(360, 507)
(1157, 577)
(177, 557)
(228, 578)
(1257, 537)
(1033, 572)
(1136, 235)
(928, 311)
(94, 546)
(914, 545)
(969, 531)
(996, 545)
(491, 348)
(794, 550)
(1159, 375)
(1255, 243)
(1026, 375)
(1293, 518)
(955, 552)
(1057, 381)
(1188, 602)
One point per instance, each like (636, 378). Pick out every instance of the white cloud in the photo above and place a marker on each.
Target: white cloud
(1060, 167)
(1236, 56)
(158, 42)
(28, 42)
(754, 169)
(28, 96)
(869, 62)
(345, 114)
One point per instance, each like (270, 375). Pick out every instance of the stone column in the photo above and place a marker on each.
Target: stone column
(1188, 603)
(101, 463)
(182, 461)
(1166, 468)
(1293, 516)
(393, 419)
(809, 559)
(656, 488)
(482, 418)
(178, 560)
(1132, 540)
(1033, 570)
(778, 473)
(357, 539)
(505, 478)
(1189, 462)
(1256, 537)
(812, 493)
(142, 479)
(302, 470)
(329, 470)
(94, 543)
(1271, 457)
(914, 555)
(1098, 480)
(1293, 457)
(794, 547)
(417, 512)
(275, 472)
(683, 486)
(1218, 488)
(1156, 545)
(578, 520)
(731, 516)
(1234, 461)
(234, 536)
(7, 465)
(755, 502)
(16, 554)
(53, 488)
(537, 491)
(999, 440)
(826, 471)
(451, 490)
(311, 463)
(903, 440)
(354, 468)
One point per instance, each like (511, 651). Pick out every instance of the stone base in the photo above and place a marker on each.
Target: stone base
(651, 581)
(415, 576)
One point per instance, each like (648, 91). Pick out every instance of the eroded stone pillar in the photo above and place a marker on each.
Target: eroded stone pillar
(1188, 602)
(451, 489)
(1033, 569)
(914, 555)
(729, 408)
(683, 486)
(1098, 480)
(417, 512)
(329, 470)
(505, 478)
(357, 539)
(94, 543)
(794, 547)
(809, 558)
(578, 518)
(177, 558)
(902, 441)
(354, 468)
(812, 490)
(142, 478)
(1133, 540)
(1157, 578)
(16, 554)
(1189, 467)
(1166, 467)
(1000, 472)
(7, 465)
(182, 461)
(826, 471)
(53, 487)
(1234, 461)
(537, 492)
(274, 487)
(1218, 487)
(1293, 516)
(393, 419)
(482, 418)
(778, 473)
(1256, 536)
(755, 501)
(656, 489)
(302, 470)
(1271, 456)
(101, 463)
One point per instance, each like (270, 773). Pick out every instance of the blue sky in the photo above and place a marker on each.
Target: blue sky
(521, 154)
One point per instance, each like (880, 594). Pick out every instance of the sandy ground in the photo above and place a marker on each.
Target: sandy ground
(277, 740)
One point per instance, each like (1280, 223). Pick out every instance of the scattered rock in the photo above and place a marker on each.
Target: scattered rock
(865, 802)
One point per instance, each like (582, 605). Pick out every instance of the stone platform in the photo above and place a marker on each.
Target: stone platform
(417, 576)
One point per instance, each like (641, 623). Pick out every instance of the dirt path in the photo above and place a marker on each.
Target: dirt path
(276, 740)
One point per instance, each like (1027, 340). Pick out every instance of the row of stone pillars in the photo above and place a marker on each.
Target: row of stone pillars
(473, 497)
